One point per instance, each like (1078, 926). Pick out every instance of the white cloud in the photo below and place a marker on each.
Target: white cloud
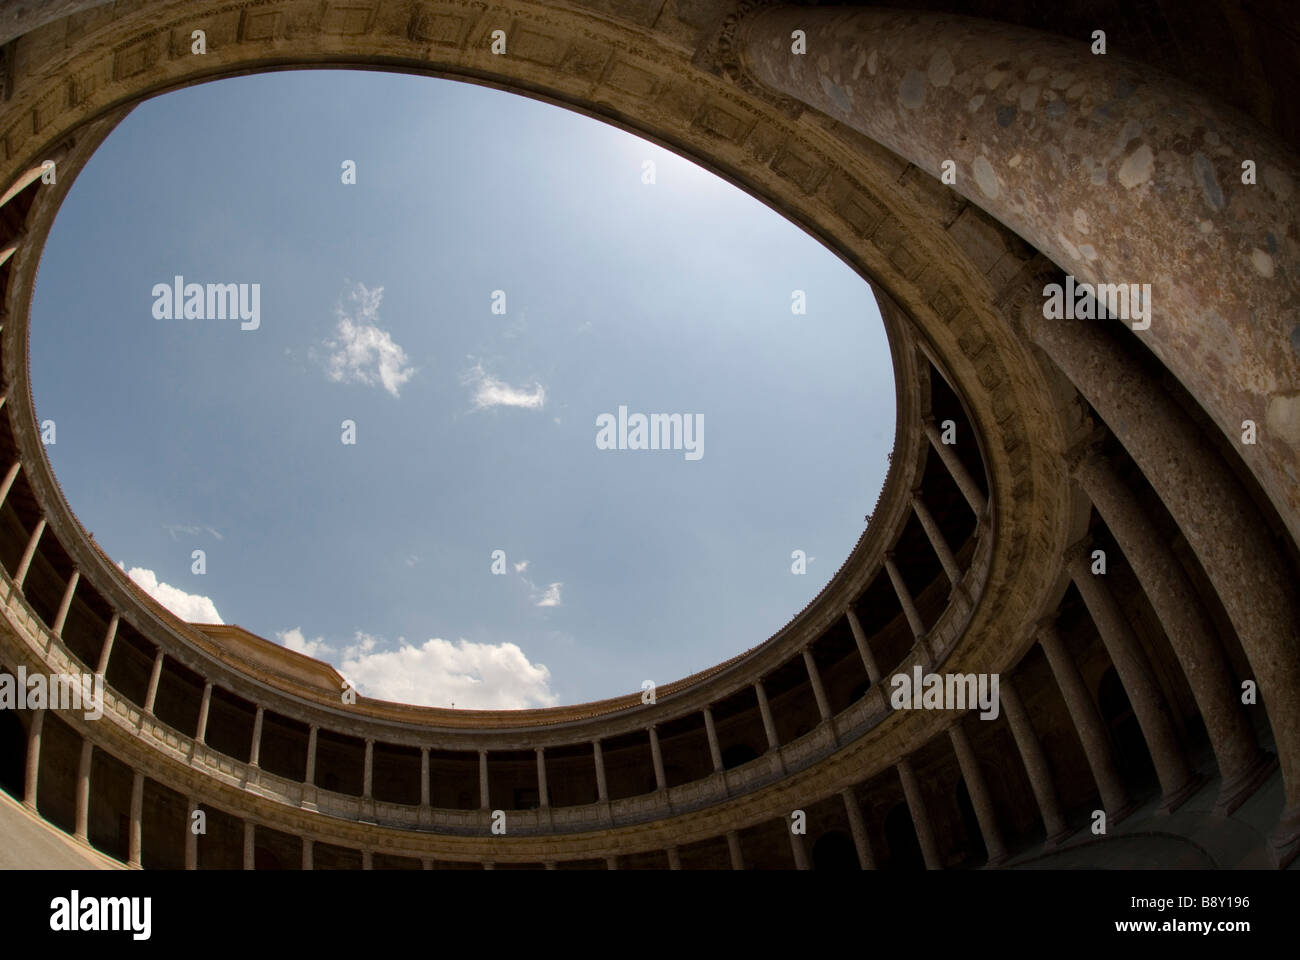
(295, 641)
(491, 392)
(473, 676)
(363, 352)
(476, 676)
(551, 596)
(190, 607)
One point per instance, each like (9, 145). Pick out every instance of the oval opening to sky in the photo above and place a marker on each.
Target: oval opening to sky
(445, 359)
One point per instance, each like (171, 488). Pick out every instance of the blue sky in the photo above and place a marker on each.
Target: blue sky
(475, 431)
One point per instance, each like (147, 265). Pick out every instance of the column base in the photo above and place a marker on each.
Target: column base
(1171, 802)
(1233, 793)
(1286, 838)
(1123, 813)
(1056, 840)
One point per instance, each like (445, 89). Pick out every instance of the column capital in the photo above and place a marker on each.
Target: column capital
(1086, 449)
(1078, 552)
(1045, 624)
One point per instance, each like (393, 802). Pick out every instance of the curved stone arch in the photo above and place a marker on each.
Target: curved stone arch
(134, 55)
(925, 251)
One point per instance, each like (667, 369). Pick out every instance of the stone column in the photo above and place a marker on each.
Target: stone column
(1035, 761)
(611, 863)
(191, 838)
(424, 776)
(250, 855)
(1217, 517)
(980, 797)
(106, 651)
(864, 649)
(65, 604)
(815, 678)
(1242, 765)
(83, 790)
(956, 469)
(657, 758)
(602, 791)
(715, 750)
(542, 791)
(674, 859)
(1062, 146)
(367, 860)
(797, 848)
(904, 597)
(368, 771)
(936, 538)
(310, 777)
(155, 676)
(307, 858)
(858, 827)
(33, 173)
(769, 725)
(135, 841)
(483, 795)
(32, 778)
(1177, 779)
(733, 848)
(8, 481)
(255, 748)
(920, 816)
(1087, 722)
(201, 731)
(25, 563)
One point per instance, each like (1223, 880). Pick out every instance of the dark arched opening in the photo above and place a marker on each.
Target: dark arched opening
(13, 754)
(974, 836)
(834, 850)
(737, 756)
(1132, 757)
(900, 839)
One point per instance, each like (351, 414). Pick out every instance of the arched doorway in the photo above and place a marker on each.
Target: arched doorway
(834, 850)
(1132, 757)
(737, 756)
(900, 840)
(974, 836)
(13, 754)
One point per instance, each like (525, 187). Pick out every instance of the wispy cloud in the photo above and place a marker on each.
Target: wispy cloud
(190, 607)
(362, 351)
(491, 392)
(550, 596)
(192, 530)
